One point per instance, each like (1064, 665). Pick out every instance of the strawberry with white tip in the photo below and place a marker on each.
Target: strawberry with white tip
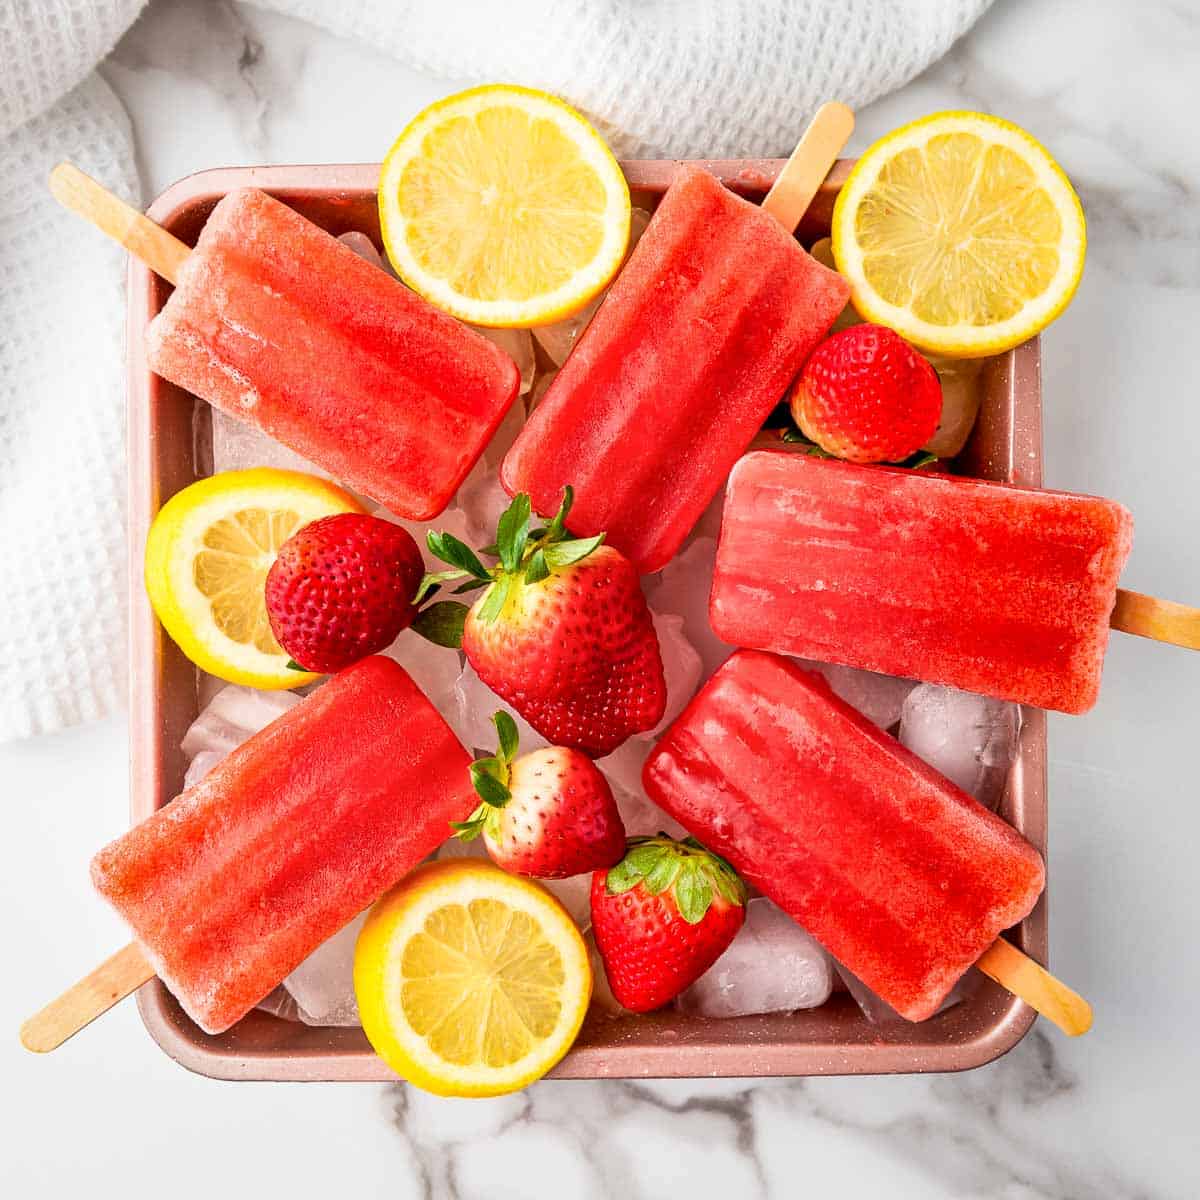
(549, 813)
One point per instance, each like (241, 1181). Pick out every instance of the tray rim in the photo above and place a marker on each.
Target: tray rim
(633, 1058)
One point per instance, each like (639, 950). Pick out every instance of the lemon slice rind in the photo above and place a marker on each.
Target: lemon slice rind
(543, 308)
(177, 536)
(379, 976)
(963, 339)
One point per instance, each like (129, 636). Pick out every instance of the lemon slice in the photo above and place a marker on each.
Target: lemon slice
(503, 206)
(961, 233)
(207, 558)
(470, 981)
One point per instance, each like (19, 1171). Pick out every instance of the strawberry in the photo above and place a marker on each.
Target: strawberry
(549, 813)
(561, 632)
(341, 588)
(662, 916)
(866, 395)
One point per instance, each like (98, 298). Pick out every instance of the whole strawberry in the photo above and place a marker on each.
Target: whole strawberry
(867, 396)
(561, 632)
(662, 916)
(549, 813)
(341, 588)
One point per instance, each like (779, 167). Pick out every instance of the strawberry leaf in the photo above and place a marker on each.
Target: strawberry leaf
(293, 665)
(512, 532)
(781, 422)
(471, 585)
(489, 789)
(622, 878)
(536, 569)
(563, 554)
(506, 731)
(914, 462)
(441, 623)
(642, 858)
(693, 892)
(449, 549)
(662, 874)
(558, 526)
(472, 827)
(494, 599)
(434, 580)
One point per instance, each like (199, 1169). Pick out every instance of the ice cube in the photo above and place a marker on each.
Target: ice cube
(642, 817)
(457, 848)
(878, 697)
(623, 767)
(681, 668)
(484, 500)
(323, 984)
(452, 520)
(475, 703)
(960, 404)
(773, 965)
(602, 997)
(559, 339)
(500, 441)
(237, 446)
(434, 669)
(682, 587)
(879, 1012)
(970, 739)
(363, 247)
(233, 715)
(540, 387)
(519, 344)
(201, 764)
(574, 894)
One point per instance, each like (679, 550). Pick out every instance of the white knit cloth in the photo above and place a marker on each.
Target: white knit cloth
(678, 78)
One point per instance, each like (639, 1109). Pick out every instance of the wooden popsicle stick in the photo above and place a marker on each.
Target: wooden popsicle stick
(813, 158)
(1162, 620)
(1016, 971)
(90, 998)
(163, 253)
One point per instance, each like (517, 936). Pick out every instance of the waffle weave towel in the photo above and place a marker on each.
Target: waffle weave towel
(678, 78)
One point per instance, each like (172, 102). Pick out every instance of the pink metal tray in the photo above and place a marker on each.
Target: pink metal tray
(832, 1040)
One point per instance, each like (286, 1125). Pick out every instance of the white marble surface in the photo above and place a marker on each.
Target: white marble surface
(1112, 89)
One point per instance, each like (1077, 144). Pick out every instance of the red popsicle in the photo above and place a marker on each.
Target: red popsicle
(235, 882)
(901, 875)
(984, 586)
(695, 343)
(278, 324)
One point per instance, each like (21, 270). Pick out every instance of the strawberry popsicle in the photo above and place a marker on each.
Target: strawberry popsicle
(898, 873)
(984, 586)
(277, 323)
(231, 885)
(695, 343)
